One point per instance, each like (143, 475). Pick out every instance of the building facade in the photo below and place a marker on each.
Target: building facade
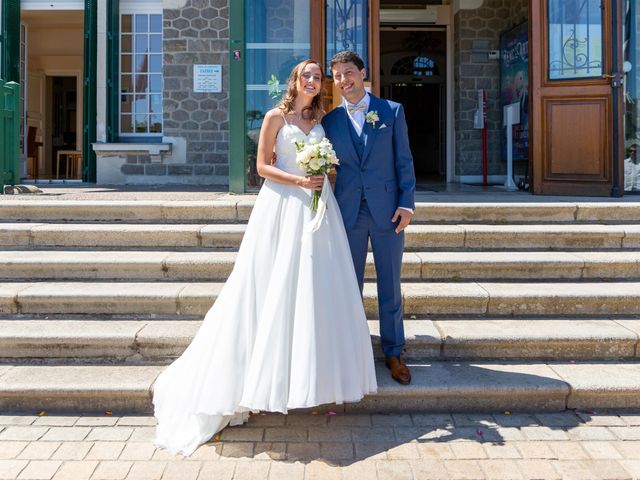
(174, 91)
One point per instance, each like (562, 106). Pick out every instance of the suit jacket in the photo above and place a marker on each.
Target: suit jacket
(383, 174)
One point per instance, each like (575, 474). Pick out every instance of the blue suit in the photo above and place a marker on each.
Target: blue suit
(374, 178)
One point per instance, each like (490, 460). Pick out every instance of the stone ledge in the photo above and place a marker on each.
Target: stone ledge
(155, 150)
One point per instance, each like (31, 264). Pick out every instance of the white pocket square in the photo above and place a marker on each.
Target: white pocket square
(382, 126)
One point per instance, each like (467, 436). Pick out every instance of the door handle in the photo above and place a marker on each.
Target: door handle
(617, 79)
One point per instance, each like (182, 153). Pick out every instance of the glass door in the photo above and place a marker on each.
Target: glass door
(277, 38)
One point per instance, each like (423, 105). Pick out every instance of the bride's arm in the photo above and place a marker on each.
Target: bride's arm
(270, 126)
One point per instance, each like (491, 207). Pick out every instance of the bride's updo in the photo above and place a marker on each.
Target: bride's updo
(313, 112)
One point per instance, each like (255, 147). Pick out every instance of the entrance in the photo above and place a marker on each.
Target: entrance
(413, 73)
(51, 71)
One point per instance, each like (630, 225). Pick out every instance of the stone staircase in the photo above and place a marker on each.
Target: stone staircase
(508, 306)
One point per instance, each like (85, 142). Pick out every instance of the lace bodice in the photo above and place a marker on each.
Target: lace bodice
(286, 150)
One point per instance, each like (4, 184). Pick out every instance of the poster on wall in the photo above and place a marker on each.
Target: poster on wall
(514, 85)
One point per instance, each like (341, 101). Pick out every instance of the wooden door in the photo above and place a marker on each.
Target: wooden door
(573, 83)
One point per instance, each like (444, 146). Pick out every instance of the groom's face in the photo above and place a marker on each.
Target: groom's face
(349, 80)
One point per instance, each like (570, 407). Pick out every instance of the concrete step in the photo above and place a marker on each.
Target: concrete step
(238, 208)
(420, 299)
(148, 341)
(228, 236)
(216, 266)
(436, 386)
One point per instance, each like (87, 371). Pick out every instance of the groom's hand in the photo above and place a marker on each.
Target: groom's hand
(405, 219)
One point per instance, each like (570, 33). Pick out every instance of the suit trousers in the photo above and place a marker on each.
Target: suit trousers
(387, 246)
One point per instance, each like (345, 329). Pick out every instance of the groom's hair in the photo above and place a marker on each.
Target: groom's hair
(347, 56)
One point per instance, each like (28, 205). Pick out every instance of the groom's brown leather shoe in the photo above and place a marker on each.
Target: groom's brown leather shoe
(399, 370)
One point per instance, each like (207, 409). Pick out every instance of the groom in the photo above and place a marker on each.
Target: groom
(375, 186)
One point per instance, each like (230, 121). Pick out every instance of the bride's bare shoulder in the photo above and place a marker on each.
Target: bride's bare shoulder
(273, 114)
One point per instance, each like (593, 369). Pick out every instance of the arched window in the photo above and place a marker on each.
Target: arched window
(415, 65)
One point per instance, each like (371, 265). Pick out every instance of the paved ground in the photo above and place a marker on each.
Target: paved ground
(306, 446)
(426, 193)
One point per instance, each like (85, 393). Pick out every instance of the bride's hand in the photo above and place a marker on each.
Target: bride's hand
(312, 182)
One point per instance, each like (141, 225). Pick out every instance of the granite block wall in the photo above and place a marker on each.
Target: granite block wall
(483, 24)
(196, 123)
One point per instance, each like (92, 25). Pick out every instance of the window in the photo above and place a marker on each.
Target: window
(417, 66)
(140, 74)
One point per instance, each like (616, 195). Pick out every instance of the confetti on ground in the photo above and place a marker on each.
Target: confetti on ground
(330, 414)
(108, 412)
(479, 432)
(42, 413)
(217, 438)
(314, 413)
(507, 412)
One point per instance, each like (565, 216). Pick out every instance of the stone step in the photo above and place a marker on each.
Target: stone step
(148, 341)
(228, 236)
(238, 208)
(216, 266)
(420, 299)
(436, 386)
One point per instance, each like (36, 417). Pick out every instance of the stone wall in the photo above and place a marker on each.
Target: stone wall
(197, 124)
(481, 24)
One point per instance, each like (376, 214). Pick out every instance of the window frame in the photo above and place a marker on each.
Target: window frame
(138, 8)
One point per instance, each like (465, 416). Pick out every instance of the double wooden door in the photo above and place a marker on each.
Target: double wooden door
(576, 96)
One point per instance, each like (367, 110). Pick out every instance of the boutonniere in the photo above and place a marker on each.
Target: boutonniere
(372, 117)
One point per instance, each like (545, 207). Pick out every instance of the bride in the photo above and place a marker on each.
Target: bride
(288, 330)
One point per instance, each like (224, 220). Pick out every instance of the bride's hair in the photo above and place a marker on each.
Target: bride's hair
(287, 104)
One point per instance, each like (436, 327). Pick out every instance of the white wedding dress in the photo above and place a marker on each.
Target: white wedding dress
(288, 329)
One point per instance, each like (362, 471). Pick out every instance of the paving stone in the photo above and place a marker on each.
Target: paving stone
(288, 471)
(110, 434)
(40, 470)
(76, 470)
(237, 450)
(568, 450)
(630, 450)
(509, 434)
(353, 420)
(270, 451)
(626, 433)
(336, 451)
(470, 433)
(391, 420)
(595, 420)
(544, 433)
(464, 469)
(15, 420)
(515, 420)
(505, 451)
(601, 450)
(405, 451)
(500, 469)
(364, 470)
(97, 421)
(468, 450)
(39, 450)
(267, 420)
(565, 419)
(67, 434)
(632, 467)
(573, 469)
(432, 419)
(217, 470)
(255, 470)
(395, 470)
(428, 469)
(330, 434)
(182, 471)
(137, 451)
(146, 470)
(317, 470)
(112, 470)
(134, 421)
(372, 451)
(206, 452)
(306, 420)
(11, 449)
(303, 451)
(288, 434)
(105, 451)
(26, 433)
(372, 434)
(143, 434)
(246, 434)
(57, 421)
(10, 469)
(534, 450)
(72, 451)
(470, 420)
(435, 451)
(537, 470)
(591, 433)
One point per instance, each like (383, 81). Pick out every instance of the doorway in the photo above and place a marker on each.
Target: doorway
(51, 66)
(413, 72)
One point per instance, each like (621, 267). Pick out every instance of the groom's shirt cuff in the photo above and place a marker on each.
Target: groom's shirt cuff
(407, 209)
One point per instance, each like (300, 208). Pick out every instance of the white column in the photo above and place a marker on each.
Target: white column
(101, 74)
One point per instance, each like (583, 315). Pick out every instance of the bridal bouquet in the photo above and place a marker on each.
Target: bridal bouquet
(316, 158)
